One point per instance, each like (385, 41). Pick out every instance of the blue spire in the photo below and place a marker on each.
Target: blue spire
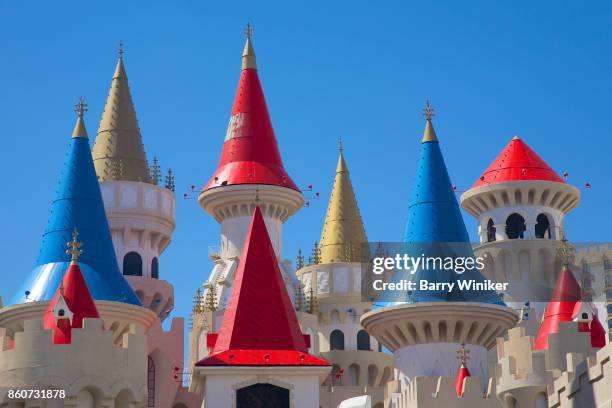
(78, 203)
(435, 226)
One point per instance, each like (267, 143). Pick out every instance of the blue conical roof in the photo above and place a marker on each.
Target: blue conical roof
(435, 227)
(78, 203)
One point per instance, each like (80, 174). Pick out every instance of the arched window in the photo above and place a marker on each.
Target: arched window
(336, 340)
(151, 383)
(85, 399)
(262, 395)
(542, 228)
(372, 374)
(353, 375)
(155, 268)
(132, 264)
(490, 231)
(363, 340)
(515, 226)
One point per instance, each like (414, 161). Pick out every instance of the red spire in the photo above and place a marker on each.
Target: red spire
(72, 302)
(517, 162)
(250, 153)
(259, 325)
(462, 374)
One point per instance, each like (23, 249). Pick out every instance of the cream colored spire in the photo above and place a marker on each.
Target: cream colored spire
(248, 54)
(118, 152)
(343, 232)
(79, 129)
(430, 134)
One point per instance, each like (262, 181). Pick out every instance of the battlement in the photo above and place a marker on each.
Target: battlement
(586, 381)
(598, 249)
(91, 360)
(426, 392)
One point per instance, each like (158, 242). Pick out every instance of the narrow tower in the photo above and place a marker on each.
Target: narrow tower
(425, 329)
(521, 203)
(250, 171)
(140, 208)
(78, 203)
(333, 281)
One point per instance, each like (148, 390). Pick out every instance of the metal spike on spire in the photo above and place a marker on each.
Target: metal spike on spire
(462, 354)
(81, 107)
(120, 51)
(248, 54)
(79, 129)
(428, 111)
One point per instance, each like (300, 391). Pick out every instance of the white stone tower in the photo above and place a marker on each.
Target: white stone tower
(140, 210)
(521, 203)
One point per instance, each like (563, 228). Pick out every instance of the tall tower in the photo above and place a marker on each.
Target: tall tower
(77, 204)
(140, 210)
(333, 281)
(425, 330)
(521, 203)
(250, 171)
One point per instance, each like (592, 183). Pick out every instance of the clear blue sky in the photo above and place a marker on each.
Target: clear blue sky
(329, 69)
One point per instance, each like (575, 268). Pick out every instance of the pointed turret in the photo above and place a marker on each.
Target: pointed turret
(343, 233)
(435, 226)
(463, 371)
(250, 153)
(259, 325)
(72, 301)
(118, 151)
(78, 202)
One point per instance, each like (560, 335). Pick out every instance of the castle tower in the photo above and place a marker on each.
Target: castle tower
(260, 356)
(333, 281)
(140, 208)
(520, 203)
(427, 326)
(78, 203)
(71, 352)
(250, 170)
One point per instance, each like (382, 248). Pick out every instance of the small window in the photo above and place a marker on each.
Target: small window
(336, 340)
(515, 226)
(155, 268)
(132, 264)
(490, 231)
(542, 228)
(363, 340)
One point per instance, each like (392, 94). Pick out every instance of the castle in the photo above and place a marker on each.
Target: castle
(87, 324)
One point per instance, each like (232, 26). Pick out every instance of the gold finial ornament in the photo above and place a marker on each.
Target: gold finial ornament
(81, 107)
(74, 247)
(566, 252)
(430, 134)
(248, 30)
(248, 54)
(462, 354)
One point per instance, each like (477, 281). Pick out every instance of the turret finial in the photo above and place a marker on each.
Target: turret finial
(74, 247)
(430, 134)
(81, 107)
(248, 54)
(340, 147)
(248, 30)
(120, 51)
(428, 111)
(462, 354)
(566, 252)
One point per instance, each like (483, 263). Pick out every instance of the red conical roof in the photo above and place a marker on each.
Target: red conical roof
(517, 162)
(79, 302)
(259, 325)
(462, 374)
(250, 153)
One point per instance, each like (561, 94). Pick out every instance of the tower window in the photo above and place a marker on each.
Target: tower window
(336, 340)
(363, 340)
(490, 231)
(515, 226)
(132, 264)
(542, 228)
(155, 268)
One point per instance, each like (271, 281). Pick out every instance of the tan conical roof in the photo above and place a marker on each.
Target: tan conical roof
(343, 232)
(118, 152)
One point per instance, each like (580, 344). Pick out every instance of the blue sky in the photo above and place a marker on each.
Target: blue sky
(354, 70)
